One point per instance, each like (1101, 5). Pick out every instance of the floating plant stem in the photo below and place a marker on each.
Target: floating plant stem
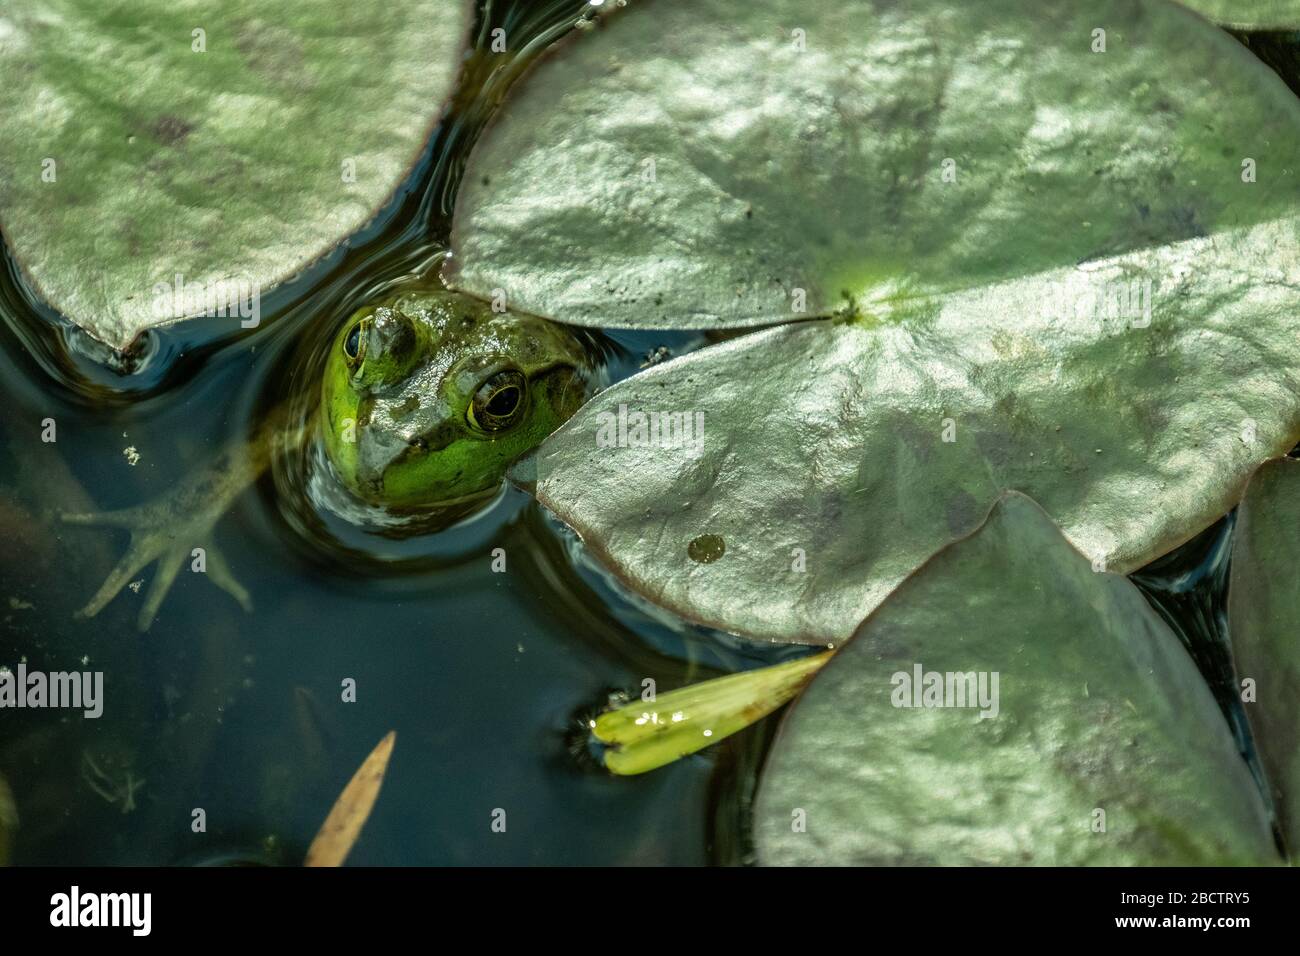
(644, 736)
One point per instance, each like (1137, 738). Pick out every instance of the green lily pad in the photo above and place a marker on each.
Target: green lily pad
(1103, 744)
(1103, 311)
(1264, 621)
(831, 459)
(728, 167)
(1249, 14)
(231, 144)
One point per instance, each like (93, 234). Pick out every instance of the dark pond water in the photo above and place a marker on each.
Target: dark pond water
(485, 676)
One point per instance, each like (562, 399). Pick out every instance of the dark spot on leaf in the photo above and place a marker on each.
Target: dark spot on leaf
(707, 548)
(962, 513)
(171, 130)
(1187, 223)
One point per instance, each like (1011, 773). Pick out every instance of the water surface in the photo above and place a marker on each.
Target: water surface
(485, 677)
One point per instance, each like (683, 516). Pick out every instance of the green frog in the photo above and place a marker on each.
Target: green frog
(426, 399)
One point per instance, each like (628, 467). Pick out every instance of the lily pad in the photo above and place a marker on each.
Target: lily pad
(730, 167)
(1249, 14)
(1101, 744)
(1264, 621)
(833, 458)
(230, 144)
(1102, 310)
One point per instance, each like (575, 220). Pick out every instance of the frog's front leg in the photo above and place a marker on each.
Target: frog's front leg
(170, 528)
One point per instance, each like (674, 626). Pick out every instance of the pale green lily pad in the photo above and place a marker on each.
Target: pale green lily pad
(1098, 709)
(1264, 621)
(819, 451)
(694, 165)
(240, 165)
(1249, 14)
(1131, 388)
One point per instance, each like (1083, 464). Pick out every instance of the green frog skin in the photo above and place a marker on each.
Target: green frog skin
(426, 399)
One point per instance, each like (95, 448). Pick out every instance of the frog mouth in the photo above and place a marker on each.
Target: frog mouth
(448, 504)
(361, 502)
(371, 490)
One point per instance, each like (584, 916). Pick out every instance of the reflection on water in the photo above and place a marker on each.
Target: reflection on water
(482, 674)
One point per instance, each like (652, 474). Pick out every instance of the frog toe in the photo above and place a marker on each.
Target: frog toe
(121, 518)
(220, 574)
(131, 564)
(169, 565)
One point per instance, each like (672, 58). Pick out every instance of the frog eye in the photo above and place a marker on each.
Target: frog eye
(352, 346)
(498, 402)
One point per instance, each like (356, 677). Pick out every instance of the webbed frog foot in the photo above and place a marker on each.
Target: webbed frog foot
(159, 533)
(115, 785)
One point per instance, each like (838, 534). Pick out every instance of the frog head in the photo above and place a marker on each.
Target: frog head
(429, 396)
